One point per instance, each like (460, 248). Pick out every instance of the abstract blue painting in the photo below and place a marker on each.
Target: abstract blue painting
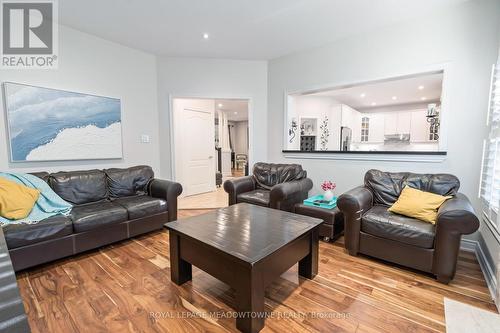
(50, 125)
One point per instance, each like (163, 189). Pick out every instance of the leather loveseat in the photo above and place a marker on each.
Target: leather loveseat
(372, 230)
(278, 186)
(109, 205)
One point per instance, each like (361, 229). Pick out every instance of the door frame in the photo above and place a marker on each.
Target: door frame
(171, 115)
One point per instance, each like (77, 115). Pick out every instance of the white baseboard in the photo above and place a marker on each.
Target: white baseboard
(486, 266)
(469, 245)
(489, 273)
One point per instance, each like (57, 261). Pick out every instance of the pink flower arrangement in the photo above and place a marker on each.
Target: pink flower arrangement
(328, 185)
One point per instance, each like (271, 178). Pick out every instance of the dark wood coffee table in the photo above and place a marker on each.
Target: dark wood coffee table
(247, 247)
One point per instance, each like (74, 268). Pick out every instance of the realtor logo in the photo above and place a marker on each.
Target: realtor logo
(29, 38)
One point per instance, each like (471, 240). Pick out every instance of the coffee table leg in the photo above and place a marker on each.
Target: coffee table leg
(250, 304)
(308, 266)
(180, 270)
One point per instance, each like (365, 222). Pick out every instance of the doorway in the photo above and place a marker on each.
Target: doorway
(210, 145)
(233, 157)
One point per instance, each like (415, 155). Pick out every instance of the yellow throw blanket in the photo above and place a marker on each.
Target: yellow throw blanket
(16, 200)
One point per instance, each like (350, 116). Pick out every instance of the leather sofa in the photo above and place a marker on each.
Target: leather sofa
(278, 186)
(372, 230)
(108, 206)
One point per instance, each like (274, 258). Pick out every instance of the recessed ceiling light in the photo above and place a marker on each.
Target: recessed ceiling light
(205, 35)
(374, 103)
(423, 98)
(235, 112)
(394, 98)
(362, 95)
(421, 87)
(220, 105)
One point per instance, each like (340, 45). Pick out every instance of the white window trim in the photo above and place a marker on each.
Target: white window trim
(491, 209)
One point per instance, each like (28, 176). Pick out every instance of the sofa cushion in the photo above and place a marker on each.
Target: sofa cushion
(17, 235)
(142, 205)
(80, 187)
(97, 215)
(267, 175)
(378, 221)
(128, 182)
(256, 197)
(387, 186)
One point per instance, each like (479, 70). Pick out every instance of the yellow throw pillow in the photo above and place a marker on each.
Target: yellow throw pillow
(16, 200)
(418, 204)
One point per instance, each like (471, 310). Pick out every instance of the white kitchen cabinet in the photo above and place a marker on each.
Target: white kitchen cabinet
(356, 126)
(404, 122)
(375, 127)
(352, 118)
(390, 123)
(397, 123)
(419, 126)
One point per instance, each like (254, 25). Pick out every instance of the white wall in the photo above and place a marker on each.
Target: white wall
(464, 37)
(88, 64)
(213, 78)
(316, 107)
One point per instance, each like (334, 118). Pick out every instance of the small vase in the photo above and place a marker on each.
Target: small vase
(328, 195)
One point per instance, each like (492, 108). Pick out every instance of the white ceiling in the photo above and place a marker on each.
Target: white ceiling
(406, 91)
(238, 29)
(236, 109)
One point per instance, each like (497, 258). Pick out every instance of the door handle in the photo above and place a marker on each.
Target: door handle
(210, 157)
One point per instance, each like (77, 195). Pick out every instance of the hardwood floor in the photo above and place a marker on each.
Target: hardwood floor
(238, 172)
(216, 199)
(126, 287)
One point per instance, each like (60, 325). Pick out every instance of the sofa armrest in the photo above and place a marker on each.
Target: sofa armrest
(458, 215)
(169, 191)
(353, 204)
(233, 187)
(455, 218)
(281, 192)
(355, 201)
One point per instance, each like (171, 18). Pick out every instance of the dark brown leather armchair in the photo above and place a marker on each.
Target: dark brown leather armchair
(372, 230)
(278, 186)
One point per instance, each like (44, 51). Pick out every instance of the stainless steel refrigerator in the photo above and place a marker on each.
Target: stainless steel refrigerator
(345, 138)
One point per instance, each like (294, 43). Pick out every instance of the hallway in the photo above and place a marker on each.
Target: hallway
(215, 199)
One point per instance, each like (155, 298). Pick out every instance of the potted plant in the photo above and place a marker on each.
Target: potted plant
(328, 188)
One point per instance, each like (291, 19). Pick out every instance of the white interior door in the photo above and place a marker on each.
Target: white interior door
(194, 143)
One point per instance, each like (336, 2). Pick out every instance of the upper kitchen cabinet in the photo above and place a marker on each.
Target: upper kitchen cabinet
(397, 123)
(376, 123)
(389, 115)
(419, 126)
(390, 124)
(404, 122)
(369, 128)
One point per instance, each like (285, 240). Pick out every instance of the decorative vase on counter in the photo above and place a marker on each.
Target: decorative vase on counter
(328, 195)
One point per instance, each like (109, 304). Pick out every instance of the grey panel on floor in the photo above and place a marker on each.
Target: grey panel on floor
(12, 315)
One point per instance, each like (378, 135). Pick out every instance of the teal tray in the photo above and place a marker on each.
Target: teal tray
(312, 201)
